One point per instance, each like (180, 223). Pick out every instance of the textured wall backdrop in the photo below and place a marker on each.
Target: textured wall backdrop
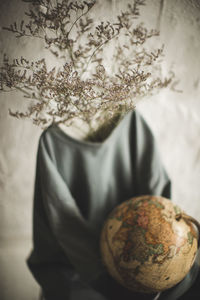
(173, 117)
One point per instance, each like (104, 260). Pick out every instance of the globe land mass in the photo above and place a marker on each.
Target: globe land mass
(147, 236)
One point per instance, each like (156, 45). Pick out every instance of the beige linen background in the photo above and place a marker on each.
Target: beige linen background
(173, 116)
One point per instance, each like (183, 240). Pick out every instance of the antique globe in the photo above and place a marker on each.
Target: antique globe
(148, 244)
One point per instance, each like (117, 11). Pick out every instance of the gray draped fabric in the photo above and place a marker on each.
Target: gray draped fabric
(77, 184)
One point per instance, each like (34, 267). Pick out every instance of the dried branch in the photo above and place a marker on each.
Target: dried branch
(60, 95)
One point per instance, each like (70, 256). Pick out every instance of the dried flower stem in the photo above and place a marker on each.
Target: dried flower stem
(65, 93)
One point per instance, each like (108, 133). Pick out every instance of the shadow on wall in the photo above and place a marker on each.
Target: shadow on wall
(16, 282)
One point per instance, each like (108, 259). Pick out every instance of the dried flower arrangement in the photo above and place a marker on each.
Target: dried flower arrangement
(83, 87)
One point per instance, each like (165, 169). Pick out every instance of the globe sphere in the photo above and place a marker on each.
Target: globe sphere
(148, 244)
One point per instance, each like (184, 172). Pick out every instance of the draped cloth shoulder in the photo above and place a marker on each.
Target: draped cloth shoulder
(77, 184)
